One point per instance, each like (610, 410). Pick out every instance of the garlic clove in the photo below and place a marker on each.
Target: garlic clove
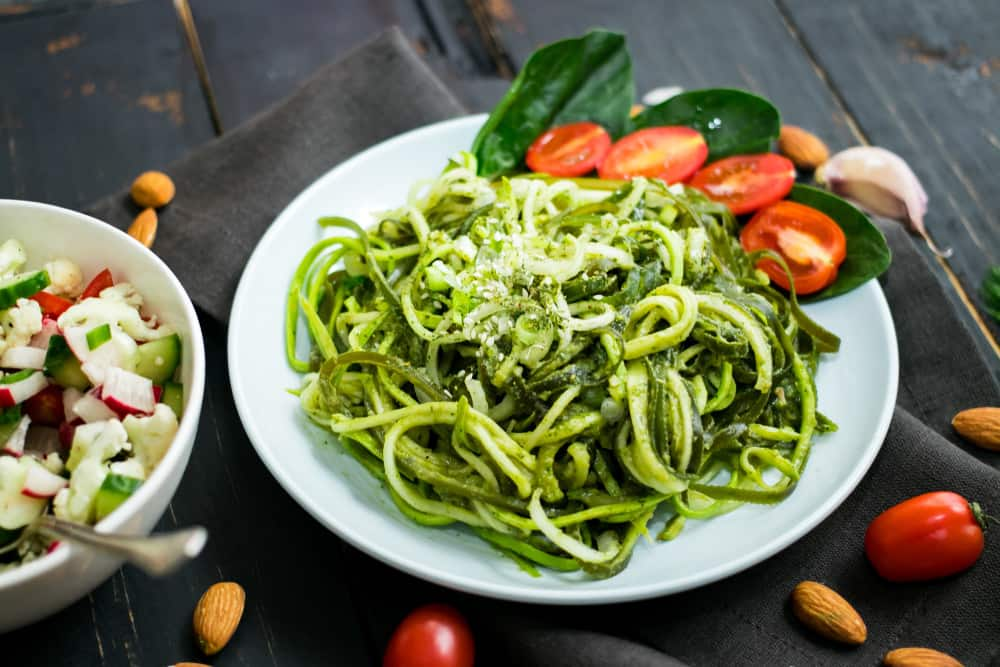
(882, 183)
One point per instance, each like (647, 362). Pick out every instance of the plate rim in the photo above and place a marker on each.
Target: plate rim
(515, 591)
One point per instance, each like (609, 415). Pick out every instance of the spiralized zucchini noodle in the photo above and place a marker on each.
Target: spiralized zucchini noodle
(550, 362)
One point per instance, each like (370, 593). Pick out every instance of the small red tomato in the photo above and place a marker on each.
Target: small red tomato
(569, 150)
(435, 635)
(670, 153)
(927, 537)
(746, 183)
(46, 407)
(101, 282)
(811, 243)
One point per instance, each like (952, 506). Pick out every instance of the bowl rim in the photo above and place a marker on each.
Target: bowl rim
(187, 429)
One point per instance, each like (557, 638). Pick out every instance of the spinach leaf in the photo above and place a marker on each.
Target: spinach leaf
(586, 78)
(732, 121)
(868, 255)
(991, 292)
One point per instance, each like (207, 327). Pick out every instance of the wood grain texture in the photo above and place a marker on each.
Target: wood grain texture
(256, 58)
(91, 98)
(923, 80)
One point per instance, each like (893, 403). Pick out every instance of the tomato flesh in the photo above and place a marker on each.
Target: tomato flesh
(52, 305)
(810, 242)
(669, 153)
(569, 150)
(746, 183)
(46, 407)
(435, 635)
(101, 282)
(926, 537)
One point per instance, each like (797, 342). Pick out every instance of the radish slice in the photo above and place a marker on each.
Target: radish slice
(128, 393)
(40, 483)
(23, 357)
(71, 396)
(116, 352)
(15, 443)
(91, 409)
(49, 329)
(22, 390)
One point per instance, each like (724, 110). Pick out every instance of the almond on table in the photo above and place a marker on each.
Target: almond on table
(826, 612)
(217, 616)
(153, 189)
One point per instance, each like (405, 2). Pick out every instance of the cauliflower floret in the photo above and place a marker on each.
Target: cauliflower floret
(124, 292)
(151, 436)
(19, 323)
(66, 278)
(98, 441)
(129, 468)
(12, 257)
(84, 483)
(17, 509)
(95, 312)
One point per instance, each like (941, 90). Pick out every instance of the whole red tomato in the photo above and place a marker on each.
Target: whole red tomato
(926, 537)
(435, 635)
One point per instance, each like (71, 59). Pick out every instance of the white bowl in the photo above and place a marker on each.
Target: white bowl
(50, 583)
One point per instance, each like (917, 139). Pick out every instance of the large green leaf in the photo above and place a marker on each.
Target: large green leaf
(868, 255)
(585, 78)
(732, 121)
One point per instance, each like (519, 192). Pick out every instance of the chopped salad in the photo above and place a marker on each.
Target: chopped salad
(89, 401)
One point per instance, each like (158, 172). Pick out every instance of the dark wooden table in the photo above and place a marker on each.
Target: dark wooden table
(93, 92)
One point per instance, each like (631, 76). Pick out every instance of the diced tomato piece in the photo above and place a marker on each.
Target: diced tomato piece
(46, 407)
(52, 305)
(66, 432)
(101, 282)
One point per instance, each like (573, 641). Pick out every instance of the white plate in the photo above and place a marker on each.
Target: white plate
(857, 389)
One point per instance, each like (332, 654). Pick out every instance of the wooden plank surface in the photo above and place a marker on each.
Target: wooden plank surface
(257, 52)
(91, 98)
(923, 79)
(255, 60)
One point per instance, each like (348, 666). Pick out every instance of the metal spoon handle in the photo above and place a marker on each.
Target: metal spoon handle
(157, 554)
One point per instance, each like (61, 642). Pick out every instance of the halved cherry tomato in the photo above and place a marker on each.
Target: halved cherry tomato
(569, 150)
(46, 407)
(746, 183)
(810, 242)
(51, 304)
(926, 537)
(435, 635)
(101, 282)
(670, 153)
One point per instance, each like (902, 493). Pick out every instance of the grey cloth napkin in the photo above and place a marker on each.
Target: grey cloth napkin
(230, 191)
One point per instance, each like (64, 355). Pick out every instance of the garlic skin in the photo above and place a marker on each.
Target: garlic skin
(880, 182)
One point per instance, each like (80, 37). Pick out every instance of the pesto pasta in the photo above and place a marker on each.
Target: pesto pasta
(554, 362)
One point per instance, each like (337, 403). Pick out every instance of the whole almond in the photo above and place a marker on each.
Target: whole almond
(980, 426)
(153, 189)
(803, 148)
(143, 228)
(824, 611)
(218, 613)
(919, 657)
